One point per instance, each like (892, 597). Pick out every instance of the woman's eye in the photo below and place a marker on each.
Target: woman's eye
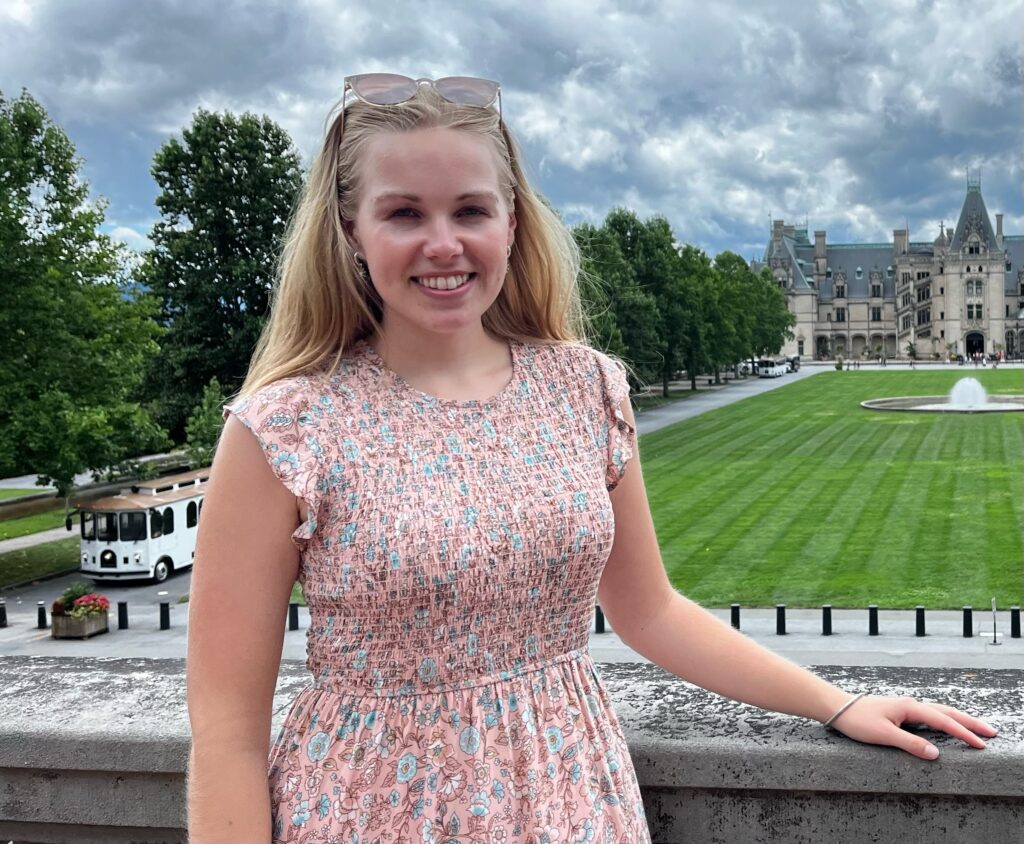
(402, 212)
(473, 211)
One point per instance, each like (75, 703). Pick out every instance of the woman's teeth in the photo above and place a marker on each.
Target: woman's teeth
(443, 282)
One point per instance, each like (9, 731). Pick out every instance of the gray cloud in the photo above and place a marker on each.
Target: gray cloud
(857, 115)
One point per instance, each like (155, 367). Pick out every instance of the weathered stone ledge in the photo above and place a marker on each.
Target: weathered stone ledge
(94, 750)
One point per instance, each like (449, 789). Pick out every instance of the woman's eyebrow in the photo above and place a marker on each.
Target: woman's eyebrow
(390, 196)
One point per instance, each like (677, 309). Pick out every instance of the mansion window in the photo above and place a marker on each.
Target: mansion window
(924, 316)
(840, 291)
(905, 277)
(860, 272)
(905, 300)
(924, 274)
(800, 347)
(973, 249)
(974, 288)
(828, 272)
(888, 272)
(924, 293)
(906, 322)
(840, 314)
(974, 311)
(876, 291)
(876, 314)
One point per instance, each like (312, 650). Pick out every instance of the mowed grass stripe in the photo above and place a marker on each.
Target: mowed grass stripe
(800, 496)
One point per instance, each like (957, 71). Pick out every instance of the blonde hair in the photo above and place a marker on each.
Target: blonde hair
(322, 302)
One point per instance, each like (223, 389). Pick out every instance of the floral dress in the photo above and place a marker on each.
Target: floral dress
(450, 563)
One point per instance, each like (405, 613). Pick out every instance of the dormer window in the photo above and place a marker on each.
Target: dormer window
(888, 272)
(828, 272)
(860, 272)
(974, 248)
(840, 291)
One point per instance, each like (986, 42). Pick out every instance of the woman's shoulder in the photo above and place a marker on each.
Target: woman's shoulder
(577, 357)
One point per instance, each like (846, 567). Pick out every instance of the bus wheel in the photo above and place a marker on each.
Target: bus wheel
(161, 571)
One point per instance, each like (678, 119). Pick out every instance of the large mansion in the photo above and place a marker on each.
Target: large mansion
(959, 294)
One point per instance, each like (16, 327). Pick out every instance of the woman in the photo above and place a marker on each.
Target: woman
(427, 445)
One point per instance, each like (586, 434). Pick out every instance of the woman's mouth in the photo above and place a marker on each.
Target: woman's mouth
(444, 283)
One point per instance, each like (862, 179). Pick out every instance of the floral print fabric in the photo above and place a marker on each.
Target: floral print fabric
(450, 562)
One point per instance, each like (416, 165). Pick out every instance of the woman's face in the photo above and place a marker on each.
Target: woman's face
(431, 216)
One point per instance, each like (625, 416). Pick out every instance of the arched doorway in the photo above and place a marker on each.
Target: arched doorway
(974, 343)
(823, 351)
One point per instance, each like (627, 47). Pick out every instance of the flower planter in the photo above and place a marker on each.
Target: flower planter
(69, 627)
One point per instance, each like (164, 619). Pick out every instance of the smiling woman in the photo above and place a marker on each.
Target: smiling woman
(426, 441)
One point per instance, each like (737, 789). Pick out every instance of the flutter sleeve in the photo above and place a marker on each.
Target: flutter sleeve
(290, 427)
(621, 440)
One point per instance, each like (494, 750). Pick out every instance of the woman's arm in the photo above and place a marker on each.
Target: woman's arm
(687, 640)
(245, 567)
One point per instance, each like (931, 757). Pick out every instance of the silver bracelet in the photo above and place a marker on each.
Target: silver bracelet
(843, 708)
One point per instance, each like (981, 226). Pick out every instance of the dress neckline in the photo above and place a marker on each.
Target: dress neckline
(502, 395)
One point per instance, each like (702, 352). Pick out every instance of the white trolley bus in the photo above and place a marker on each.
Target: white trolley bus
(145, 532)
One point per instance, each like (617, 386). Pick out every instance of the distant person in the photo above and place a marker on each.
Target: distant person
(428, 444)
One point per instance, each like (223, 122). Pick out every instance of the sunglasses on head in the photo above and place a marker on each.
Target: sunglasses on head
(387, 89)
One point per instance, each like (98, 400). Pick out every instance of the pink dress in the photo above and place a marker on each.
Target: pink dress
(450, 563)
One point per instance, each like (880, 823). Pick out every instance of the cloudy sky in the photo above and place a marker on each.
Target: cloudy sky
(858, 116)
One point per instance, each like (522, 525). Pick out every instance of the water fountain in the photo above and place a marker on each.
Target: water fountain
(967, 396)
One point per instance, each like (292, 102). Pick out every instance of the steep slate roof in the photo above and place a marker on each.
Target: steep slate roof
(973, 211)
(847, 257)
(1014, 247)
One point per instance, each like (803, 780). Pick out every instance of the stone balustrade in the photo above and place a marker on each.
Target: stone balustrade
(94, 750)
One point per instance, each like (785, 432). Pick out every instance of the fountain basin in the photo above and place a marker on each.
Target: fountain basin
(942, 404)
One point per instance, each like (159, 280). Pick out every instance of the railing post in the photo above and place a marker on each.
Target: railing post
(293, 616)
(734, 613)
(872, 619)
(780, 619)
(826, 620)
(122, 615)
(41, 614)
(1014, 622)
(968, 622)
(919, 611)
(165, 615)
(3, 612)
(598, 619)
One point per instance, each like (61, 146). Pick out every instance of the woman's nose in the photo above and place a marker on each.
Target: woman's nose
(442, 241)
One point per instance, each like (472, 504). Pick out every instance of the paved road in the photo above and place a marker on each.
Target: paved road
(898, 646)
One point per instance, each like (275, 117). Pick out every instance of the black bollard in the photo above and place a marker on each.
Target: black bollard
(780, 619)
(872, 619)
(165, 615)
(968, 622)
(598, 619)
(826, 620)
(734, 613)
(122, 615)
(293, 616)
(1014, 622)
(920, 620)
(3, 612)
(42, 615)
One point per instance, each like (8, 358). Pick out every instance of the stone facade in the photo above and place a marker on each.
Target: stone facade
(959, 294)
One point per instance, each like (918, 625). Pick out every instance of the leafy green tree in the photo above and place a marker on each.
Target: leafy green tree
(75, 332)
(204, 426)
(228, 188)
(628, 321)
(773, 321)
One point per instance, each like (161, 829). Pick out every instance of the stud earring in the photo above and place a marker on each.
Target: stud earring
(358, 258)
(509, 253)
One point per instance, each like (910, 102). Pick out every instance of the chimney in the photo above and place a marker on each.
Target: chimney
(777, 235)
(819, 244)
(789, 231)
(899, 241)
(999, 231)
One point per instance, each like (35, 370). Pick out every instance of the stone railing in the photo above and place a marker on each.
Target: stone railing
(94, 750)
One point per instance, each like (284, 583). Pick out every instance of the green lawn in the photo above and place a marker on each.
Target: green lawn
(19, 493)
(802, 497)
(11, 528)
(39, 560)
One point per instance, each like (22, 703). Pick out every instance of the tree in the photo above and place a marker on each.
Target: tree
(74, 331)
(624, 317)
(228, 188)
(204, 426)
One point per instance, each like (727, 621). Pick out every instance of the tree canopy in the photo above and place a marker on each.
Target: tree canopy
(75, 331)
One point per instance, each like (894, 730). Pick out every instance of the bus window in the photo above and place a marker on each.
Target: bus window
(155, 524)
(88, 524)
(191, 514)
(168, 521)
(133, 526)
(106, 527)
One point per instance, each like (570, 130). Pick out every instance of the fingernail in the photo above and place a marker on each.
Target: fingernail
(931, 752)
